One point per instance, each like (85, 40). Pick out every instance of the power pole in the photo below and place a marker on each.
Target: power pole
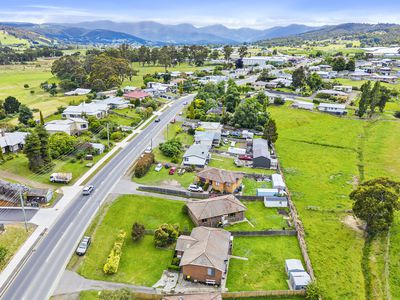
(23, 208)
(108, 135)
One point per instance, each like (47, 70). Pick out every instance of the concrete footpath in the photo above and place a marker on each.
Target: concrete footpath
(46, 217)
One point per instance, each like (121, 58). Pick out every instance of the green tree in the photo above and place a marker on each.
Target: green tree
(171, 148)
(32, 151)
(384, 98)
(313, 291)
(166, 235)
(227, 50)
(247, 113)
(299, 78)
(351, 65)
(365, 99)
(11, 105)
(315, 82)
(339, 64)
(61, 143)
(25, 114)
(44, 144)
(243, 50)
(41, 118)
(137, 232)
(375, 202)
(375, 96)
(270, 133)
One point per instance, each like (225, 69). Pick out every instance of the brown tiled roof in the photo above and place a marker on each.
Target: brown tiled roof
(214, 207)
(219, 175)
(211, 248)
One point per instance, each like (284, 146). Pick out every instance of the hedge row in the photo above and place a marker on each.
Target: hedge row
(112, 263)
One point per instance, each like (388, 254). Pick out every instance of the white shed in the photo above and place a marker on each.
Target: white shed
(299, 280)
(239, 151)
(277, 182)
(293, 265)
(267, 192)
(274, 201)
(303, 105)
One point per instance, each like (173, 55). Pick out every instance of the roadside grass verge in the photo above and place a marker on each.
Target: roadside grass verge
(265, 267)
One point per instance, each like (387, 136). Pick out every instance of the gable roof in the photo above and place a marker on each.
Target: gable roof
(198, 150)
(260, 148)
(92, 107)
(219, 175)
(137, 94)
(12, 138)
(210, 249)
(218, 206)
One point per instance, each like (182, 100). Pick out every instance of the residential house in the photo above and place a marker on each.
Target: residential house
(303, 105)
(334, 93)
(261, 154)
(210, 126)
(213, 79)
(78, 92)
(11, 142)
(220, 180)
(129, 89)
(281, 82)
(136, 94)
(39, 195)
(264, 60)
(384, 78)
(215, 110)
(207, 138)
(343, 88)
(111, 93)
(359, 75)
(216, 212)
(204, 255)
(97, 110)
(259, 85)
(114, 102)
(270, 192)
(326, 68)
(337, 109)
(197, 155)
(99, 147)
(72, 126)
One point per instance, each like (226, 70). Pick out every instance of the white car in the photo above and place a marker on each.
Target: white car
(148, 150)
(87, 190)
(181, 113)
(158, 168)
(195, 188)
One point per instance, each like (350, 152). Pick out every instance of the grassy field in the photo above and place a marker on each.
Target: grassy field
(162, 178)
(323, 158)
(141, 263)
(251, 186)
(265, 267)
(12, 239)
(260, 217)
(8, 39)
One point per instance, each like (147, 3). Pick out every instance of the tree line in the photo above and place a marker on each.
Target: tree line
(9, 55)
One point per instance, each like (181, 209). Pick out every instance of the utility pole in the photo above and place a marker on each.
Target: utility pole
(23, 208)
(108, 135)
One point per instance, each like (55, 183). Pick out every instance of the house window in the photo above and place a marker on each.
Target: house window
(232, 215)
(186, 158)
(216, 183)
(83, 126)
(210, 272)
(203, 220)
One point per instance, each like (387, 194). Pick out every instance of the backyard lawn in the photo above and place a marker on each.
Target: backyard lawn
(265, 267)
(228, 163)
(260, 217)
(13, 237)
(141, 263)
(251, 186)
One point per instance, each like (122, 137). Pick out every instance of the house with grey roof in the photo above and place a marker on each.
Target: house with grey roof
(97, 110)
(216, 212)
(11, 142)
(261, 154)
(207, 137)
(114, 102)
(72, 126)
(204, 255)
(197, 155)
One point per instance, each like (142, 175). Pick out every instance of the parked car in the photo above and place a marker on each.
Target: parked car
(181, 171)
(167, 166)
(158, 168)
(87, 190)
(157, 120)
(172, 171)
(184, 103)
(148, 150)
(225, 141)
(225, 133)
(245, 157)
(83, 246)
(181, 113)
(235, 134)
(195, 188)
(173, 121)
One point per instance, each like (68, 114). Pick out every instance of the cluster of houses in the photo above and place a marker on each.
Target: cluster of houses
(332, 108)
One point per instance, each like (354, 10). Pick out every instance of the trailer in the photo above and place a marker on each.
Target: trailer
(61, 177)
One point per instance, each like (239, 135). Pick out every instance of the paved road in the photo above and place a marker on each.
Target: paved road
(38, 278)
(12, 215)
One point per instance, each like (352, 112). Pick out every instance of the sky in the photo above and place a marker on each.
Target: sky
(257, 14)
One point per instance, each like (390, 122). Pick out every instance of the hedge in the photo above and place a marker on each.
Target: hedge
(112, 263)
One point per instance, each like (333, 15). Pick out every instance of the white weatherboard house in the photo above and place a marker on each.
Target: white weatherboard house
(78, 92)
(70, 126)
(343, 88)
(303, 105)
(98, 110)
(337, 109)
(114, 102)
(277, 182)
(197, 155)
(12, 141)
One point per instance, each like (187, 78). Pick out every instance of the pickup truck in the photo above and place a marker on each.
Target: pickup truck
(61, 177)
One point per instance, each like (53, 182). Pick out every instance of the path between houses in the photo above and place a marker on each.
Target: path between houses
(14, 177)
(72, 283)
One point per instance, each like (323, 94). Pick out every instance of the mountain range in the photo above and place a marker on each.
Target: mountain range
(153, 33)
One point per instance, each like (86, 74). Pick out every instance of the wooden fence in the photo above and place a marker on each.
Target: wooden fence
(179, 193)
(250, 294)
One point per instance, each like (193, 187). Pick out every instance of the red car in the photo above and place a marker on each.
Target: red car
(245, 157)
(172, 171)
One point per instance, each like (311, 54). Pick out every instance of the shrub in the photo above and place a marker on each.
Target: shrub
(3, 254)
(173, 268)
(112, 263)
(143, 165)
(137, 231)
(166, 235)
(397, 114)
(279, 101)
(122, 294)
(26, 86)
(116, 136)
(171, 148)
(313, 291)
(175, 261)
(185, 209)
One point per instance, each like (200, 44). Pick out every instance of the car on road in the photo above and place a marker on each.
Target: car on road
(173, 121)
(157, 120)
(87, 190)
(245, 157)
(195, 188)
(172, 171)
(83, 246)
(148, 150)
(185, 103)
(181, 113)
(158, 168)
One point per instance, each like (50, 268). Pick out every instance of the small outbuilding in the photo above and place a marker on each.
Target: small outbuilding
(299, 280)
(274, 201)
(293, 265)
(261, 154)
(277, 182)
(39, 195)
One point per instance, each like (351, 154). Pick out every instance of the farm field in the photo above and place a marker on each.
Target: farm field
(141, 263)
(323, 157)
(265, 267)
